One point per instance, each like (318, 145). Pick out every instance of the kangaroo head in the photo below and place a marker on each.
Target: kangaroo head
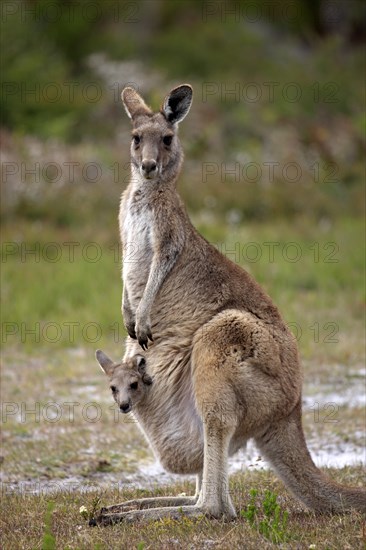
(128, 381)
(156, 153)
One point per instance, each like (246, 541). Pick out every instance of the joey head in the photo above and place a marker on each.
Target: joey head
(129, 381)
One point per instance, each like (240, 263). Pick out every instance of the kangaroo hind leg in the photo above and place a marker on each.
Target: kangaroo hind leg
(221, 374)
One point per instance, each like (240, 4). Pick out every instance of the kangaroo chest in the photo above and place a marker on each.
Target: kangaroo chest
(137, 235)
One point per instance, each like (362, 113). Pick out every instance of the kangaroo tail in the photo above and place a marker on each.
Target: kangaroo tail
(283, 445)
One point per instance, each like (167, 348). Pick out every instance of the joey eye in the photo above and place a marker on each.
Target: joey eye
(167, 140)
(133, 385)
(136, 140)
(114, 389)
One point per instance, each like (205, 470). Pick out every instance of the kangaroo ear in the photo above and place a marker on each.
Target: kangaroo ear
(146, 378)
(177, 103)
(106, 364)
(141, 367)
(141, 363)
(133, 103)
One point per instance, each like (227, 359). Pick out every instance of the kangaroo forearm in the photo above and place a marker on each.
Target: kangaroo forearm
(127, 313)
(158, 272)
(161, 265)
(125, 299)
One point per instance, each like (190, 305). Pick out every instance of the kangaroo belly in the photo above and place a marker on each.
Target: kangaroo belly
(179, 452)
(168, 417)
(176, 437)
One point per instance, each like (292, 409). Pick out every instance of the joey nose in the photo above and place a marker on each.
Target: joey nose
(125, 407)
(148, 166)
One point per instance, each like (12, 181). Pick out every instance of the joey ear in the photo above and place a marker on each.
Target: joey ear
(177, 103)
(146, 378)
(141, 367)
(133, 103)
(141, 363)
(105, 363)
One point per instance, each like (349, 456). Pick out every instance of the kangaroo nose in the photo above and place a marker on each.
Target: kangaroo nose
(148, 166)
(125, 407)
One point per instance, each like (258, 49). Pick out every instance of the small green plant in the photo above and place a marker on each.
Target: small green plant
(48, 541)
(251, 511)
(273, 525)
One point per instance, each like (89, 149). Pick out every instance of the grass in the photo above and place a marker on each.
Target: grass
(49, 541)
(273, 525)
(26, 521)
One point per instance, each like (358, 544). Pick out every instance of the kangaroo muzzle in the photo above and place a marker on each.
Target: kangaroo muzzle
(125, 407)
(149, 168)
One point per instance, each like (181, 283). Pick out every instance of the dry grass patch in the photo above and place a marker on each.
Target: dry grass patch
(25, 525)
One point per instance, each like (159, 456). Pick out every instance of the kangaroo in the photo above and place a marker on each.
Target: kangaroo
(225, 366)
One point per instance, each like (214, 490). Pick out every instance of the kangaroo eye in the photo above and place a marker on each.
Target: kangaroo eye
(134, 385)
(136, 140)
(114, 389)
(167, 140)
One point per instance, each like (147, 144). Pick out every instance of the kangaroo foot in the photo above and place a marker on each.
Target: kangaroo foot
(152, 502)
(153, 514)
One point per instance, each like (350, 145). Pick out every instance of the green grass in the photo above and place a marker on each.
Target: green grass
(313, 272)
(274, 524)
(73, 302)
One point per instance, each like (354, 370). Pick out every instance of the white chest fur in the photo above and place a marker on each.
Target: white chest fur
(137, 236)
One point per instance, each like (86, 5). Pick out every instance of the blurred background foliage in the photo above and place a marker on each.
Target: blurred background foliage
(276, 129)
(274, 147)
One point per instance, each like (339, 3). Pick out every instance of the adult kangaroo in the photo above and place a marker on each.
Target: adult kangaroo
(225, 367)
